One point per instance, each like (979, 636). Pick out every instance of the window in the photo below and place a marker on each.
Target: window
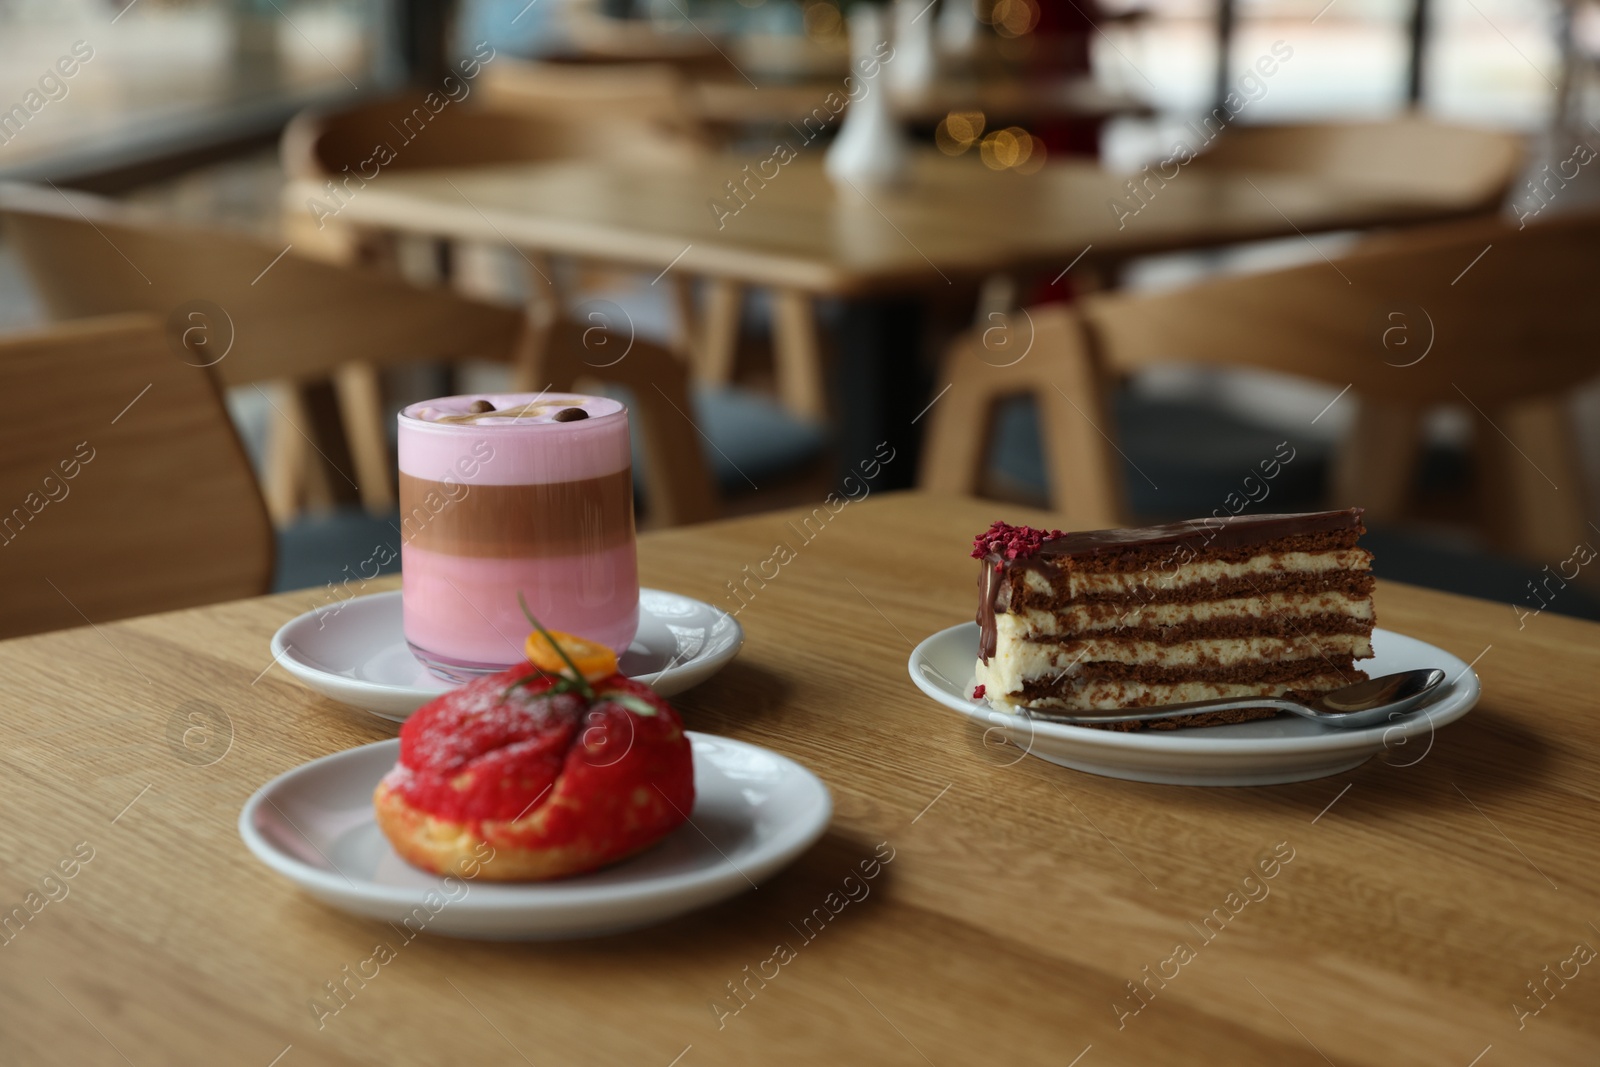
(86, 78)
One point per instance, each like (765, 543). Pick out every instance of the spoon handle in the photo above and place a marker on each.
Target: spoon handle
(1166, 711)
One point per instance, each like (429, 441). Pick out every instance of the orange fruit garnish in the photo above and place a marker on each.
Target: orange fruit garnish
(593, 661)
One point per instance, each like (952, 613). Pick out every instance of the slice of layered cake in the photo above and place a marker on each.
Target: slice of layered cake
(1248, 605)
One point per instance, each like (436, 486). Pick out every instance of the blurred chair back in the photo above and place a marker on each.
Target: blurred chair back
(598, 39)
(124, 487)
(1474, 165)
(567, 356)
(599, 96)
(255, 313)
(1475, 315)
(1056, 373)
(319, 144)
(347, 147)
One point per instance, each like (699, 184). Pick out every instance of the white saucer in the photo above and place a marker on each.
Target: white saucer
(1262, 752)
(754, 812)
(356, 653)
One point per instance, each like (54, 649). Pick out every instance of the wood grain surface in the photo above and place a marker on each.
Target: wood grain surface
(1412, 901)
(954, 218)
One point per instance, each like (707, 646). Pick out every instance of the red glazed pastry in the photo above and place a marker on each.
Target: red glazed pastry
(554, 783)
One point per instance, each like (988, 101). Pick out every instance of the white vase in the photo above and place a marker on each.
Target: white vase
(871, 148)
(958, 27)
(915, 61)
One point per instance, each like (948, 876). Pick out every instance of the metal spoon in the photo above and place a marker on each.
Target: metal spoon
(1361, 704)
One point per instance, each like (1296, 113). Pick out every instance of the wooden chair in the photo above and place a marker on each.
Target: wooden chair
(1037, 353)
(569, 356)
(340, 146)
(1506, 336)
(655, 93)
(261, 315)
(266, 320)
(321, 148)
(599, 38)
(596, 96)
(1478, 165)
(125, 487)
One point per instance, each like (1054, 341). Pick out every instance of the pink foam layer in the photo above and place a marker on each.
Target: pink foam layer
(516, 451)
(465, 608)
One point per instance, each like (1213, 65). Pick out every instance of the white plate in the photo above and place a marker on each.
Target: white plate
(1261, 752)
(357, 654)
(754, 812)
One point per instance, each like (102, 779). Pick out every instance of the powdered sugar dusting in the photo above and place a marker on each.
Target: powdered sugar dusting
(482, 717)
(495, 749)
(399, 777)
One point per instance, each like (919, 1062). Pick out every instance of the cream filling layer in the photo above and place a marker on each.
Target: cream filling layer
(1180, 575)
(1017, 661)
(1085, 617)
(1110, 694)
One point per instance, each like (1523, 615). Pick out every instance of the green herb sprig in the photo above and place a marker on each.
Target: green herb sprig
(565, 683)
(574, 682)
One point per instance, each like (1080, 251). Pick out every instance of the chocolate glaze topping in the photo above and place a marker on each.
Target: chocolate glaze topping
(1216, 533)
(1232, 531)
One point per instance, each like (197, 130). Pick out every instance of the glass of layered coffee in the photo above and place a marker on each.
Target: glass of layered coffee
(502, 494)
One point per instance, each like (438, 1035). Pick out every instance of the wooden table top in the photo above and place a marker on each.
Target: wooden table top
(954, 219)
(1002, 100)
(1418, 895)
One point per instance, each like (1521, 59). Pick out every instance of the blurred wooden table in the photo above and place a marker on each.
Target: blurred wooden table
(744, 222)
(954, 220)
(1425, 891)
(1002, 100)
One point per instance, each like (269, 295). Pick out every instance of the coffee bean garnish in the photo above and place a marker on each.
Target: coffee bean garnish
(570, 415)
(480, 406)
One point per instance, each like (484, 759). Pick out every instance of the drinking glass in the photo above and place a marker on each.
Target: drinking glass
(502, 494)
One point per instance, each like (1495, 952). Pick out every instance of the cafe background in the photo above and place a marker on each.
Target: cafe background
(177, 109)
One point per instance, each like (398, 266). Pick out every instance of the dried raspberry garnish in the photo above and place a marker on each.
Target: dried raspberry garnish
(1011, 542)
(977, 693)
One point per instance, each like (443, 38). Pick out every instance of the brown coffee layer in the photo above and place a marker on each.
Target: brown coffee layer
(517, 521)
(1282, 625)
(1271, 671)
(1353, 583)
